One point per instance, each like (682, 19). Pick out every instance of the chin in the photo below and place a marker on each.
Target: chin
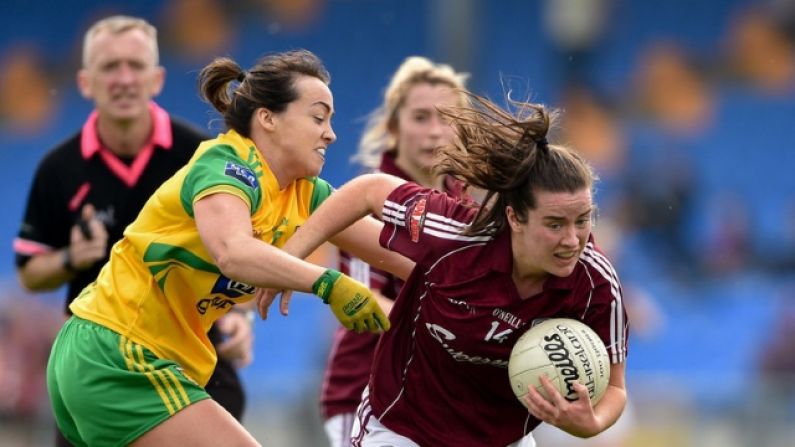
(314, 171)
(563, 272)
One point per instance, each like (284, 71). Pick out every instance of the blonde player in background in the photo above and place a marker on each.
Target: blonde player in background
(402, 138)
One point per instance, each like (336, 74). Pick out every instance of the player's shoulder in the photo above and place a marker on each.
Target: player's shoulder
(411, 192)
(596, 268)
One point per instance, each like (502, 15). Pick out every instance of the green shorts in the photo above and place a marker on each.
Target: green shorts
(107, 390)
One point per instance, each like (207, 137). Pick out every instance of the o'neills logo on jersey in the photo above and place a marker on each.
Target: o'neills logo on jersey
(417, 220)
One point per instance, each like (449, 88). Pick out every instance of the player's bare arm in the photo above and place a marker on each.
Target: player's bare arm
(356, 199)
(224, 225)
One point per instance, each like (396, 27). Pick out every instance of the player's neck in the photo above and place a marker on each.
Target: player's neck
(528, 279)
(125, 138)
(420, 176)
(529, 286)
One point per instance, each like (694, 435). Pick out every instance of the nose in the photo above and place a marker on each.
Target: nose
(329, 136)
(125, 73)
(570, 237)
(438, 126)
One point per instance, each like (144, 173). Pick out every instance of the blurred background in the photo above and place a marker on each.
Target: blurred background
(686, 109)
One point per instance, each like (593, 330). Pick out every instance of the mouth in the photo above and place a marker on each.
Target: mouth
(321, 151)
(124, 95)
(567, 256)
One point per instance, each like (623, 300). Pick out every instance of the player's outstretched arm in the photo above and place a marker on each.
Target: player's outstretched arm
(224, 224)
(361, 240)
(356, 199)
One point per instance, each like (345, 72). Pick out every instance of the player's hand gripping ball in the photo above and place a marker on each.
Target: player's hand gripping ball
(566, 350)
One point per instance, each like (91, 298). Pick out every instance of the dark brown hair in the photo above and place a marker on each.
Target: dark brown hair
(270, 84)
(507, 154)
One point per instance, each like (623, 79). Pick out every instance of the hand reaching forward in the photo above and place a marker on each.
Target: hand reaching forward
(352, 302)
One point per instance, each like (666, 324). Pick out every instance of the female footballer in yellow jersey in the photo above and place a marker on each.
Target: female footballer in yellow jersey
(130, 366)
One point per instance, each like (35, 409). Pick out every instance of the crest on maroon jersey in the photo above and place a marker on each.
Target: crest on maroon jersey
(416, 219)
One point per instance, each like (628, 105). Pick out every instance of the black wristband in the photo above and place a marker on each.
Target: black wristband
(66, 261)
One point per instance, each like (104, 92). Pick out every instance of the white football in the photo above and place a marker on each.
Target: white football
(567, 351)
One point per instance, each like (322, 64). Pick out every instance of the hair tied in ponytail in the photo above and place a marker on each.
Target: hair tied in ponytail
(543, 145)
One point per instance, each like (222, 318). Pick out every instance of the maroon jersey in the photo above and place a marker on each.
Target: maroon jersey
(348, 368)
(440, 374)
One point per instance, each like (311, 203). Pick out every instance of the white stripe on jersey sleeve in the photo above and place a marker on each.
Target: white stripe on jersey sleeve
(455, 236)
(445, 221)
(617, 325)
(393, 209)
(621, 326)
(434, 225)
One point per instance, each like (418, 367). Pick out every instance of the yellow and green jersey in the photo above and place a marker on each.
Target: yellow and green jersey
(160, 287)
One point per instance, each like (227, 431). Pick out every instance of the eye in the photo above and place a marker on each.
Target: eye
(110, 66)
(555, 226)
(137, 65)
(318, 119)
(421, 117)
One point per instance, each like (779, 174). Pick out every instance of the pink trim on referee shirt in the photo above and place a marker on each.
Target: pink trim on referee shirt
(30, 248)
(80, 195)
(161, 136)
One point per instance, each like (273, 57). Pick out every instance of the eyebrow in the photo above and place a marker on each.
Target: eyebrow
(563, 218)
(325, 106)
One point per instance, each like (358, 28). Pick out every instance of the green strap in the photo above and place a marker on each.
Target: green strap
(322, 287)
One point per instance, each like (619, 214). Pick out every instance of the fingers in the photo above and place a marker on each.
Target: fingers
(88, 239)
(262, 305)
(358, 326)
(552, 394)
(582, 393)
(533, 401)
(91, 226)
(382, 320)
(88, 212)
(265, 298)
(539, 405)
(284, 303)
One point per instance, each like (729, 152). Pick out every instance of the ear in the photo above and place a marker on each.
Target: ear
(84, 83)
(158, 81)
(510, 215)
(265, 118)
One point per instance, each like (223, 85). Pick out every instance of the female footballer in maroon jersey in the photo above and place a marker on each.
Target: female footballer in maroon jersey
(401, 138)
(482, 277)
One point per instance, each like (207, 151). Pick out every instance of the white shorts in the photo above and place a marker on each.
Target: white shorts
(338, 429)
(369, 432)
